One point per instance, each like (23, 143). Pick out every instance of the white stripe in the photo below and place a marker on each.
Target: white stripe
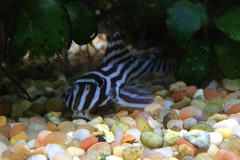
(155, 68)
(83, 98)
(84, 80)
(115, 52)
(136, 96)
(74, 94)
(95, 98)
(67, 103)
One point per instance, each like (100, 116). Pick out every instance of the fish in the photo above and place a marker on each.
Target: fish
(112, 81)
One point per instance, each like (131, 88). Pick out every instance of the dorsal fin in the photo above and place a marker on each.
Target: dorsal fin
(117, 52)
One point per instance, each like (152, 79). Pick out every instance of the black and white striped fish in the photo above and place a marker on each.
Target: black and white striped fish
(109, 81)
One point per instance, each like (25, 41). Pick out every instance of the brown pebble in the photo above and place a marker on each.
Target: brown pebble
(101, 147)
(5, 130)
(20, 153)
(191, 91)
(16, 138)
(16, 129)
(60, 125)
(115, 144)
(6, 154)
(91, 129)
(40, 150)
(55, 104)
(52, 127)
(55, 137)
(36, 120)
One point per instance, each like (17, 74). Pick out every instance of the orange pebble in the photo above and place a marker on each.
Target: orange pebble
(128, 138)
(223, 94)
(17, 129)
(41, 135)
(226, 154)
(209, 92)
(183, 141)
(91, 129)
(135, 113)
(88, 142)
(234, 109)
(178, 96)
(188, 112)
(55, 137)
(52, 127)
(191, 90)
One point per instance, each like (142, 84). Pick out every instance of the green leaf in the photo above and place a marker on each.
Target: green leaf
(228, 57)
(194, 67)
(185, 19)
(42, 29)
(83, 20)
(229, 23)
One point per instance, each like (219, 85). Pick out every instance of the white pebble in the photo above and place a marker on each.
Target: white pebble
(236, 130)
(51, 149)
(135, 133)
(215, 138)
(74, 151)
(75, 158)
(229, 123)
(212, 150)
(118, 133)
(166, 152)
(113, 158)
(81, 134)
(37, 157)
(31, 143)
(3, 147)
(199, 92)
(235, 117)
(19, 142)
(167, 104)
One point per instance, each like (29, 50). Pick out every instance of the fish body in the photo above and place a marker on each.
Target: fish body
(110, 81)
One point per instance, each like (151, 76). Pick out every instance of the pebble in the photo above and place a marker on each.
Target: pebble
(16, 129)
(169, 116)
(118, 133)
(212, 150)
(229, 123)
(88, 142)
(41, 135)
(3, 121)
(204, 156)
(226, 154)
(199, 103)
(183, 141)
(215, 138)
(133, 152)
(203, 126)
(20, 152)
(37, 157)
(209, 93)
(153, 110)
(103, 148)
(52, 149)
(20, 136)
(153, 156)
(178, 96)
(171, 137)
(189, 111)
(55, 137)
(125, 126)
(236, 130)
(218, 117)
(199, 92)
(188, 123)
(54, 104)
(178, 87)
(167, 153)
(191, 90)
(5, 130)
(234, 109)
(234, 143)
(3, 147)
(180, 105)
(200, 139)
(184, 150)
(142, 125)
(81, 134)
(231, 85)
(117, 151)
(127, 138)
(151, 140)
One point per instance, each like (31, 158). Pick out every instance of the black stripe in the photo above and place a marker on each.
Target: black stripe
(103, 95)
(78, 96)
(132, 100)
(89, 96)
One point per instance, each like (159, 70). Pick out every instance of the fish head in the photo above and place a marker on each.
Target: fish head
(82, 94)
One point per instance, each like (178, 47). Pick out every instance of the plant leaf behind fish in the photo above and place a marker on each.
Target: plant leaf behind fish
(229, 23)
(83, 20)
(42, 29)
(228, 57)
(185, 19)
